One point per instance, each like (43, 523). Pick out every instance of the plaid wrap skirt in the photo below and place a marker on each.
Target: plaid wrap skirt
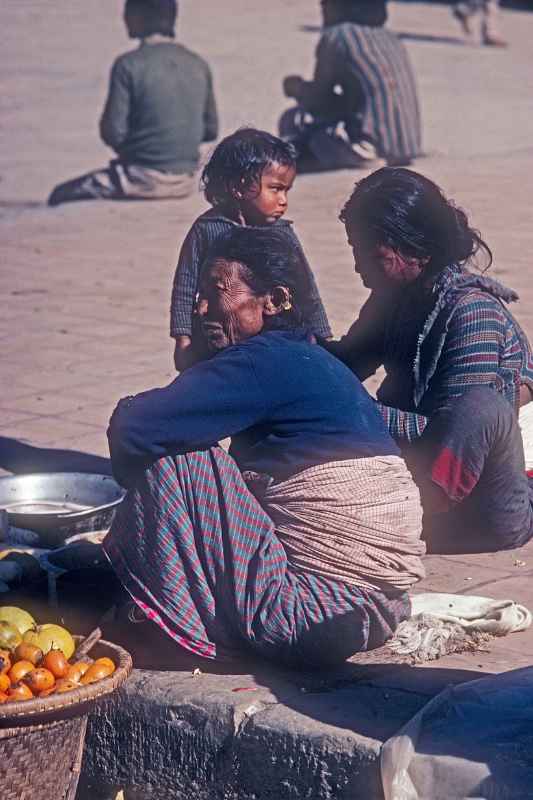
(200, 557)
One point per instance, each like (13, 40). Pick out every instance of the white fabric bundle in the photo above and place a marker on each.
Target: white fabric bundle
(497, 617)
(449, 623)
(525, 420)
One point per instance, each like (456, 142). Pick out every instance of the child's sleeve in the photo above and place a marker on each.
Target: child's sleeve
(185, 284)
(318, 319)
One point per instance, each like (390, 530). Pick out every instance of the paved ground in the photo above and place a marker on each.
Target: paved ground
(85, 288)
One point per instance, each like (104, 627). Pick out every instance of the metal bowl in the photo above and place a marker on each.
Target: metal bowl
(59, 504)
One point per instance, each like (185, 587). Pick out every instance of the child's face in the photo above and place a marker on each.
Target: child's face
(266, 201)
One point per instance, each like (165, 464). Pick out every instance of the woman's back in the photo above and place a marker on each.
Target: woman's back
(286, 403)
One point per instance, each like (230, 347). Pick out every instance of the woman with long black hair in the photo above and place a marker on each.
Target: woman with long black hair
(458, 365)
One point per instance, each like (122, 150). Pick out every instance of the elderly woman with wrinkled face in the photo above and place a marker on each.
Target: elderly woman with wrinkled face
(301, 543)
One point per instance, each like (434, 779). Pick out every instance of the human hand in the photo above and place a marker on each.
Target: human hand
(292, 86)
(182, 353)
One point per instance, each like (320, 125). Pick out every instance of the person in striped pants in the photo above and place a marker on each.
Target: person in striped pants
(489, 10)
(362, 103)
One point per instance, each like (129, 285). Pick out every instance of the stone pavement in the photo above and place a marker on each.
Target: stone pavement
(86, 287)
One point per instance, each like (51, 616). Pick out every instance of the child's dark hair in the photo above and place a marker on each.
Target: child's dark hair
(238, 162)
(270, 259)
(403, 210)
(159, 15)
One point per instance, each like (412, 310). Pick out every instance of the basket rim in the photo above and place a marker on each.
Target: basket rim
(37, 707)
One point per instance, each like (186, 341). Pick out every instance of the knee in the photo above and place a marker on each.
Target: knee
(482, 408)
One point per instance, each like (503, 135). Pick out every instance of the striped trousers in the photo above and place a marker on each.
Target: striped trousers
(200, 558)
(489, 9)
(378, 61)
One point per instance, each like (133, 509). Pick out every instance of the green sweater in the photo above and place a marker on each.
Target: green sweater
(160, 106)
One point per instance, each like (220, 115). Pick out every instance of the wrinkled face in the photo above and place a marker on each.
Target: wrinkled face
(381, 268)
(228, 309)
(266, 201)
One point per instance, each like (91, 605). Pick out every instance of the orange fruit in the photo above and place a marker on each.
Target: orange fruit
(20, 691)
(96, 672)
(47, 692)
(39, 679)
(19, 670)
(108, 662)
(3, 697)
(56, 662)
(5, 683)
(5, 661)
(28, 652)
(64, 685)
(77, 670)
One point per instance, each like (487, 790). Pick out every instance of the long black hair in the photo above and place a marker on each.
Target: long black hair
(238, 162)
(403, 210)
(270, 259)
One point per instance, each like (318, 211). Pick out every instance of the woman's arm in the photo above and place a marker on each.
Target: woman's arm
(361, 349)
(211, 401)
(318, 94)
(403, 426)
(473, 354)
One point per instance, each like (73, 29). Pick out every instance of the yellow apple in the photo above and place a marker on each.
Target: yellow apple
(50, 636)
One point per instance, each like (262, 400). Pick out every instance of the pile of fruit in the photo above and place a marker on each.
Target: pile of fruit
(34, 659)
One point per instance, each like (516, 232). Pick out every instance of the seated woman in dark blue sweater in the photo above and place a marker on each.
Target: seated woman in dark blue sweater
(302, 542)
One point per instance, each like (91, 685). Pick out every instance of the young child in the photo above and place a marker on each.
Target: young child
(246, 181)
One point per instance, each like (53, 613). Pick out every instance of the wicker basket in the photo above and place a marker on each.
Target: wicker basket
(41, 740)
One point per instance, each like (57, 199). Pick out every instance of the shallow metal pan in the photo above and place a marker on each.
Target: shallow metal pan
(59, 504)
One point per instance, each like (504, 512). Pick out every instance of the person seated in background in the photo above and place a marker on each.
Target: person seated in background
(159, 108)
(458, 365)
(362, 103)
(301, 543)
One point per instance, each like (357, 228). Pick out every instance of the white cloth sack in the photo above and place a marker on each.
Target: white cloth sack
(474, 740)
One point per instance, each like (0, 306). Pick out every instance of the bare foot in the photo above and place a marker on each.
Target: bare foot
(494, 41)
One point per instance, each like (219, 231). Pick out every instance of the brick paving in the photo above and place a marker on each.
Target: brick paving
(85, 288)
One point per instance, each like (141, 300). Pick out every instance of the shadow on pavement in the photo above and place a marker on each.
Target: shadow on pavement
(21, 458)
(430, 38)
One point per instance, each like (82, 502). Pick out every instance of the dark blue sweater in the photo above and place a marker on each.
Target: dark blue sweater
(287, 405)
